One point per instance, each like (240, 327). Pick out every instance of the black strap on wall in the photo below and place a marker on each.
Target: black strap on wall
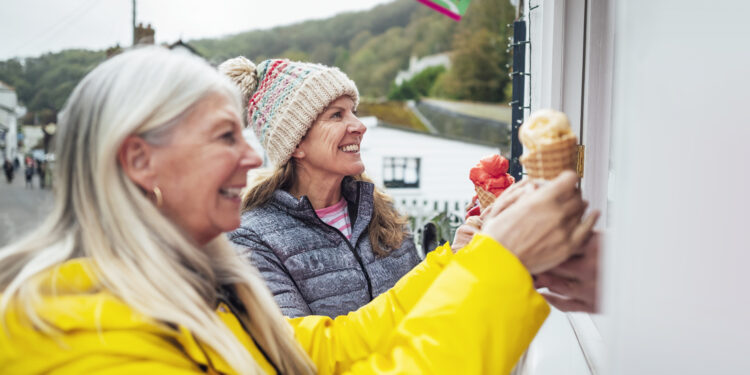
(518, 45)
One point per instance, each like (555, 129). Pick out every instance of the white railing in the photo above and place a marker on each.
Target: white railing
(421, 211)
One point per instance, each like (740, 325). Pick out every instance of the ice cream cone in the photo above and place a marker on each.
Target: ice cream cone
(551, 158)
(485, 197)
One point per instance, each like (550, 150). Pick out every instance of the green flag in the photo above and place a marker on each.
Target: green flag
(451, 8)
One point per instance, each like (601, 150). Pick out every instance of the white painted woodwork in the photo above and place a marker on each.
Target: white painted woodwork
(571, 71)
(675, 267)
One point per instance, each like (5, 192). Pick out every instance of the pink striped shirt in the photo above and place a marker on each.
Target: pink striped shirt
(337, 216)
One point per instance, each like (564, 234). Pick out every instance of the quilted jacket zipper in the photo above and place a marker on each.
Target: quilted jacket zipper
(353, 248)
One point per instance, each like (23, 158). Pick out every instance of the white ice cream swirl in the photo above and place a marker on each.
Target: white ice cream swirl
(543, 127)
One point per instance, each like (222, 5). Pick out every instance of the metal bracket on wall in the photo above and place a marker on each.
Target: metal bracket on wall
(579, 162)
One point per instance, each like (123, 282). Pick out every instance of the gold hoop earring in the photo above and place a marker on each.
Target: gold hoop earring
(157, 195)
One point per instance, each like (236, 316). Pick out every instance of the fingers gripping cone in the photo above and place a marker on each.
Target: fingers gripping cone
(550, 146)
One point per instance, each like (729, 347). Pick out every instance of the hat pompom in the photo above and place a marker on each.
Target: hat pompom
(243, 73)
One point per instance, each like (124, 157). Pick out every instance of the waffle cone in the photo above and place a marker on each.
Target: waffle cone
(550, 159)
(485, 197)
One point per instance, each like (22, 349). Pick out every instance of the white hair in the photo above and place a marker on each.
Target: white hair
(137, 253)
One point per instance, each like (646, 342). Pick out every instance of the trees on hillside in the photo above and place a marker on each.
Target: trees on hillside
(308, 36)
(44, 83)
(418, 86)
(479, 53)
(371, 46)
(477, 43)
(477, 72)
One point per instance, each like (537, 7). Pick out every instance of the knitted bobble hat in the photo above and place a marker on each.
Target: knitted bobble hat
(283, 98)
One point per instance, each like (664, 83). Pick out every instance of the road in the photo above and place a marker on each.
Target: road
(21, 208)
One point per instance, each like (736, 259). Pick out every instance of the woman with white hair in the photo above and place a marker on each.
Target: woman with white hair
(131, 274)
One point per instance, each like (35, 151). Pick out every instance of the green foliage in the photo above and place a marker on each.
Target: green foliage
(295, 55)
(308, 36)
(441, 88)
(445, 229)
(508, 90)
(418, 86)
(342, 56)
(393, 113)
(44, 83)
(430, 32)
(370, 46)
(479, 57)
(359, 40)
(477, 73)
(405, 91)
(374, 66)
(11, 72)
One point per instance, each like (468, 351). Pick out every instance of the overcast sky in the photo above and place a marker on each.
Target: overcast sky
(33, 27)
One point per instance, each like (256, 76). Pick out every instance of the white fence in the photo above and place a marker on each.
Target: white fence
(421, 211)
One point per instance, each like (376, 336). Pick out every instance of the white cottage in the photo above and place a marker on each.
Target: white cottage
(9, 112)
(424, 173)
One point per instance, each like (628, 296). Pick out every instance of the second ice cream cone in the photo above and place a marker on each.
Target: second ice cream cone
(485, 197)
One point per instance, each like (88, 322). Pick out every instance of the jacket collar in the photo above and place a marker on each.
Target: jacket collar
(358, 194)
(350, 189)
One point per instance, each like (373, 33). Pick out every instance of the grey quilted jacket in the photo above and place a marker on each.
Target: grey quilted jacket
(310, 267)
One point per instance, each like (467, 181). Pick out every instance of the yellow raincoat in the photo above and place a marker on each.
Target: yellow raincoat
(470, 313)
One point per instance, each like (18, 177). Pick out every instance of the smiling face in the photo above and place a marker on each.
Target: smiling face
(330, 149)
(202, 169)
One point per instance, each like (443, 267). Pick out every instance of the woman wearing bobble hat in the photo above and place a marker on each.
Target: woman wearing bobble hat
(325, 239)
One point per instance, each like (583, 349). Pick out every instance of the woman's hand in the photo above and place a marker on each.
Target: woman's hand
(465, 233)
(574, 283)
(508, 197)
(473, 224)
(544, 228)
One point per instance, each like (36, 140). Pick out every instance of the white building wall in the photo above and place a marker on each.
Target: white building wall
(8, 113)
(8, 97)
(11, 139)
(32, 135)
(676, 267)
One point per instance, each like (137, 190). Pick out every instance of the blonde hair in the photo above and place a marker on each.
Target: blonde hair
(387, 226)
(100, 214)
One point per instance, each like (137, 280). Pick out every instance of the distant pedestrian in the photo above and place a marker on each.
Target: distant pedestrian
(8, 168)
(41, 169)
(29, 171)
(16, 163)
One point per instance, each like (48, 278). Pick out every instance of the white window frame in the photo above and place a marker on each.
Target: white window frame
(570, 61)
(390, 162)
